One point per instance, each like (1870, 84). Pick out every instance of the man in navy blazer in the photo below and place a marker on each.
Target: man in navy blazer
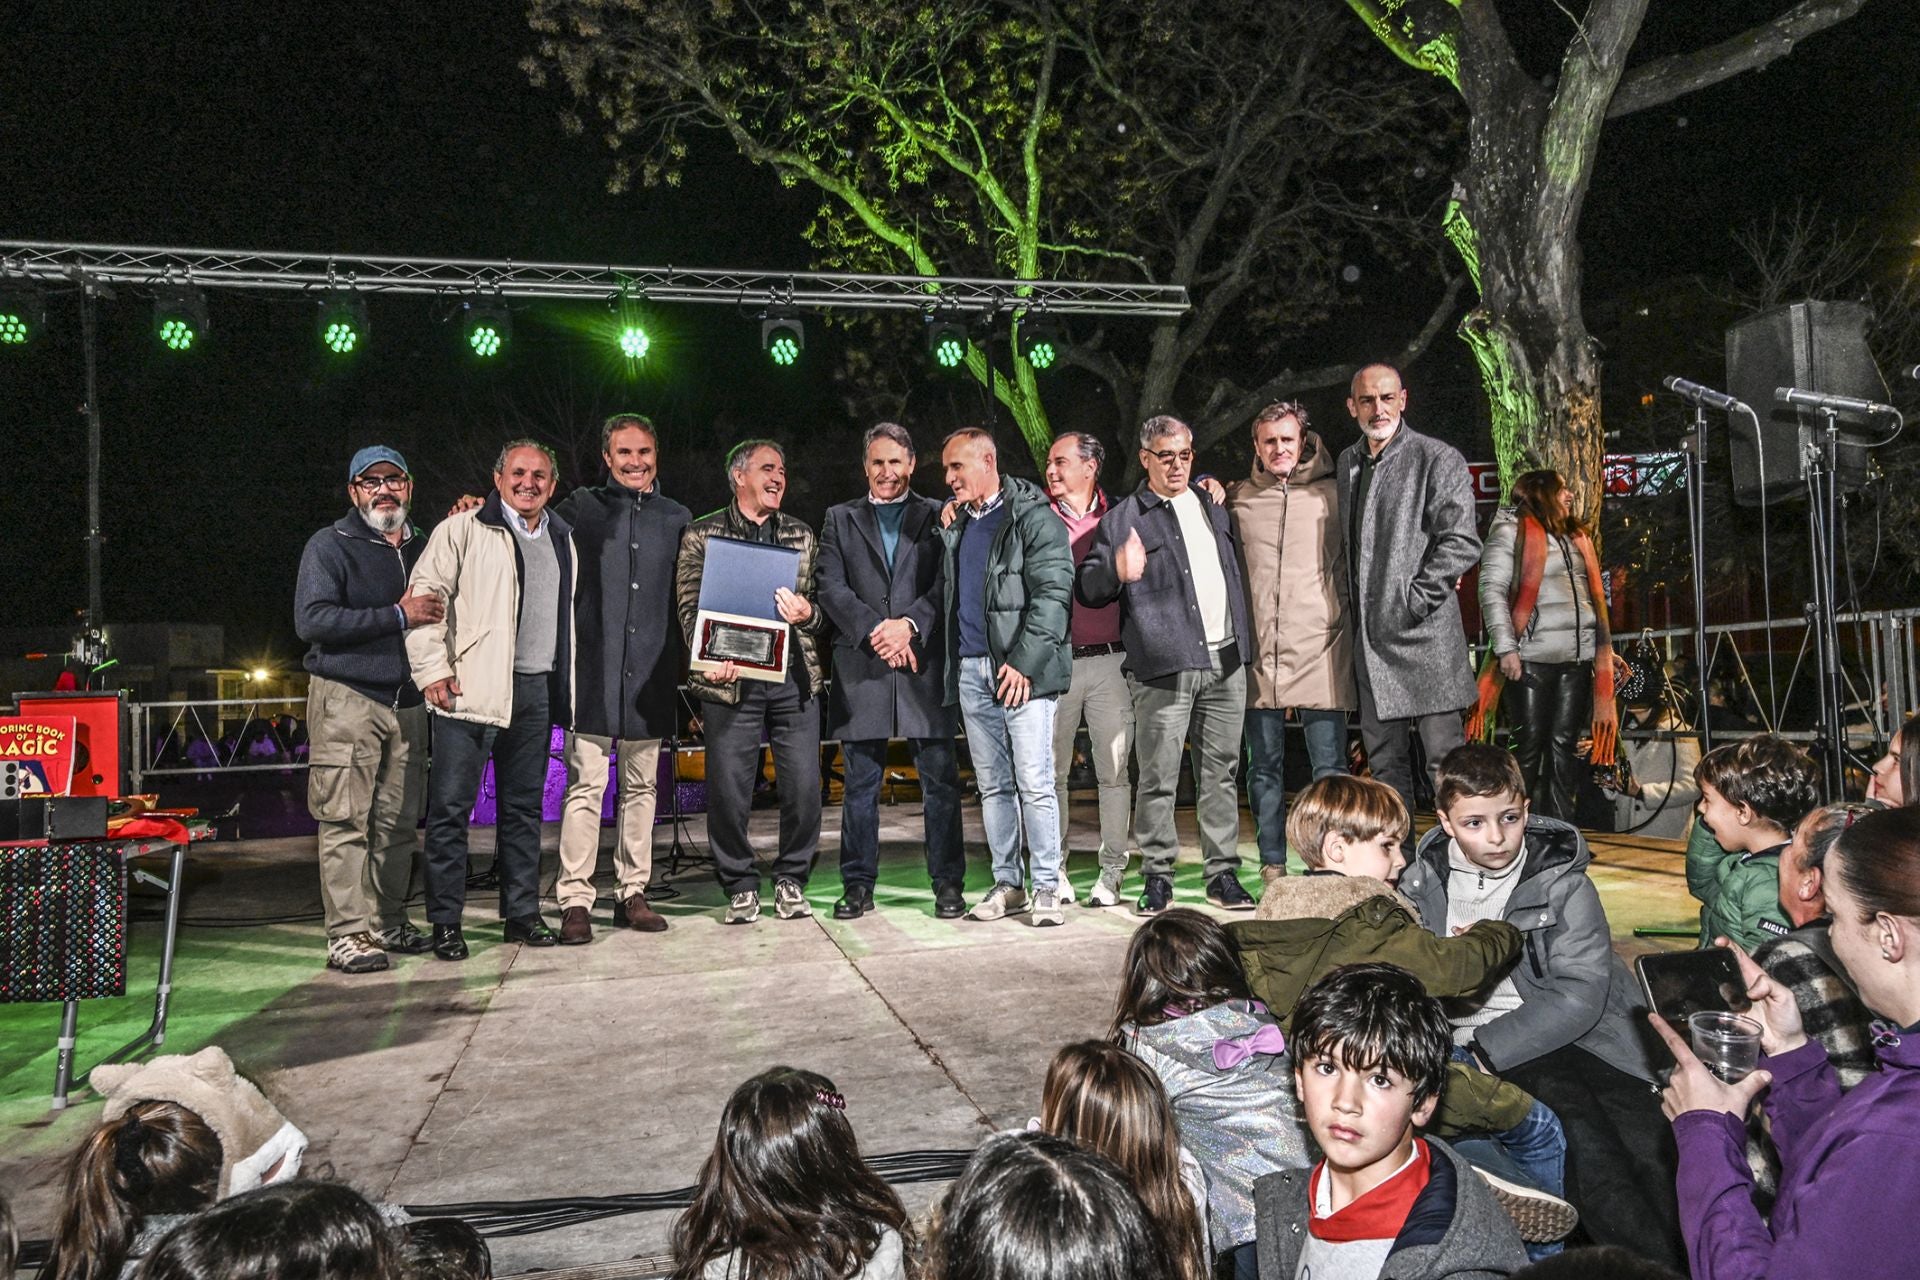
(880, 582)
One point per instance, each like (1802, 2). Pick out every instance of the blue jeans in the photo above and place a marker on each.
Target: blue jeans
(461, 749)
(1326, 735)
(1535, 1150)
(866, 760)
(1012, 750)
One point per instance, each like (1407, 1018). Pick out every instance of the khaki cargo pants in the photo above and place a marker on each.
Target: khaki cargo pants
(366, 787)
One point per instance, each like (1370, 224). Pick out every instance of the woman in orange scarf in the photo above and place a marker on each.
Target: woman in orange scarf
(1545, 612)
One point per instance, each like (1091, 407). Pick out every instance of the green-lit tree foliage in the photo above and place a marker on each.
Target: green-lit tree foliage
(1517, 197)
(1244, 151)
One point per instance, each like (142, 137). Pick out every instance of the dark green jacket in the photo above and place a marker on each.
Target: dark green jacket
(1310, 925)
(1737, 891)
(1029, 592)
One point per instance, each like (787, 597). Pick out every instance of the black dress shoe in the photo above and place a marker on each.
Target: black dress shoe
(948, 903)
(448, 943)
(533, 931)
(857, 901)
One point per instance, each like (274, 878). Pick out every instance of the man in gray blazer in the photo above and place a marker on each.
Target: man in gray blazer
(881, 582)
(1406, 502)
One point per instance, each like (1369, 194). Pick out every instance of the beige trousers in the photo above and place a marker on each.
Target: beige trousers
(587, 770)
(366, 788)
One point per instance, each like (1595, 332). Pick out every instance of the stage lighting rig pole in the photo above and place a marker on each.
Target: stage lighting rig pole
(1696, 451)
(89, 340)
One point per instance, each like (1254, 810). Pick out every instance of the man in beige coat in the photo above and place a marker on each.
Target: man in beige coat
(1287, 516)
(498, 675)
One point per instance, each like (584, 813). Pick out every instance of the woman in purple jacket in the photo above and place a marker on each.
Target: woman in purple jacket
(1849, 1201)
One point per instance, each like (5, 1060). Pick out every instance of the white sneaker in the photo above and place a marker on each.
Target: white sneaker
(790, 900)
(1063, 887)
(1001, 900)
(1540, 1218)
(1106, 890)
(1046, 910)
(743, 907)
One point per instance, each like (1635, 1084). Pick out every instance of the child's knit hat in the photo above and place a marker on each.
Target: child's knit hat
(253, 1135)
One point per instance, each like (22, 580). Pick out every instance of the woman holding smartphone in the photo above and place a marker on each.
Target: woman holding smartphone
(1846, 1160)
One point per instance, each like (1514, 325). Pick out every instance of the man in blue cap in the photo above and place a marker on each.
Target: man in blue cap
(366, 721)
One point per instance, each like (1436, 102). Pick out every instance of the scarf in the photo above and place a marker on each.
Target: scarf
(1532, 537)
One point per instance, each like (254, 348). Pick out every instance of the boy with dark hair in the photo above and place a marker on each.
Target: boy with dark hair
(1752, 795)
(1370, 1051)
(1564, 1023)
(1345, 910)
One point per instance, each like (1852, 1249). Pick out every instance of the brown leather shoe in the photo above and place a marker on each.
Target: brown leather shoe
(637, 914)
(575, 928)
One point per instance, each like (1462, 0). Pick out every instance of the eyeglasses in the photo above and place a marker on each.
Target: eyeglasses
(1168, 457)
(373, 484)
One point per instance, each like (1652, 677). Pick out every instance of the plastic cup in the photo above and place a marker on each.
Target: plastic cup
(1726, 1043)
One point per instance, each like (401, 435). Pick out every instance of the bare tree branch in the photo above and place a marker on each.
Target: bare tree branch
(1240, 410)
(1664, 79)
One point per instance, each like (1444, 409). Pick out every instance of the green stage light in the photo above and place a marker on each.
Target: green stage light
(23, 315)
(1041, 343)
(343, 324)
(783, 338)
(947, 343)
(634, 341)
(179, 317)
(488, 326)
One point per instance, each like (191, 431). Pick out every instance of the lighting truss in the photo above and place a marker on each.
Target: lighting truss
(44, 261)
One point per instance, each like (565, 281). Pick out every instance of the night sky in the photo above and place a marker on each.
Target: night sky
(379, 128)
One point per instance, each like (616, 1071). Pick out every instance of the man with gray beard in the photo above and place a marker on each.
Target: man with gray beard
(366, 721)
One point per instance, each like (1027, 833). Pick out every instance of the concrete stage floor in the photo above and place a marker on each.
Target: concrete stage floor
(598, 1070)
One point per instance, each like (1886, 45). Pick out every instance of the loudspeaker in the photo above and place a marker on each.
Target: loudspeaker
(1815, 346)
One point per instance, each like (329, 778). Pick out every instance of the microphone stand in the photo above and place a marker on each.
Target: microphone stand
(682, 855)
(1696, 450)
(1823, 499)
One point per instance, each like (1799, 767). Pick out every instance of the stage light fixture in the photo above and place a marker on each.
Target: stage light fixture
(947, 342)
(782, 337)
(343, 324)
(1042, 342)
(179, 317)
(634, 341)
(23, 315)
(488, 327)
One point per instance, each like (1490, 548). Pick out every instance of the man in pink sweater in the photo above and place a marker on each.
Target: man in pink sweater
(1099, 693)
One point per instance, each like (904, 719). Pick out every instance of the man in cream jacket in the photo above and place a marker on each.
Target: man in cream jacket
(497, 673)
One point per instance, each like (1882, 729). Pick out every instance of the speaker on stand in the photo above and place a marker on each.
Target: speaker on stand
(1799, 448)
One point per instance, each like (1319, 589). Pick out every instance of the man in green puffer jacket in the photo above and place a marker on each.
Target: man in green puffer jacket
(1009, 595)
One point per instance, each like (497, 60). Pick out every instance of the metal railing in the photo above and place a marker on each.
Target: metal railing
(162, 728)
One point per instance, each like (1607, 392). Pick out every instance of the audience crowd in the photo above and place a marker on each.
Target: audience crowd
(1404, 1065)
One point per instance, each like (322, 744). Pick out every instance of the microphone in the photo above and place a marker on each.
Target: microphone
(1837, 404)
(1697, 394)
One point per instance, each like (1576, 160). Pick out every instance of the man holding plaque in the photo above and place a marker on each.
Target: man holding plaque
(1009, 590)
(757, 670)
(882, 587)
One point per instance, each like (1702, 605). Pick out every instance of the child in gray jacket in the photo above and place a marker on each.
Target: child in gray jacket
(1565, 1023)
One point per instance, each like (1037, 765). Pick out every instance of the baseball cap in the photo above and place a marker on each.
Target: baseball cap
(371, 454)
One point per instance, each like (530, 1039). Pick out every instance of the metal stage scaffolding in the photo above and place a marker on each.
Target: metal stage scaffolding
(46, 262)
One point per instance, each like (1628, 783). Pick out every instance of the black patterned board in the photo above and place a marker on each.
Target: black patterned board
(63, 923)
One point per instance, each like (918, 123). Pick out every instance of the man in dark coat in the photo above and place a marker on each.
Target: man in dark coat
(627, 535)
(881, 584)
(1167, 552)
(1406, 503)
